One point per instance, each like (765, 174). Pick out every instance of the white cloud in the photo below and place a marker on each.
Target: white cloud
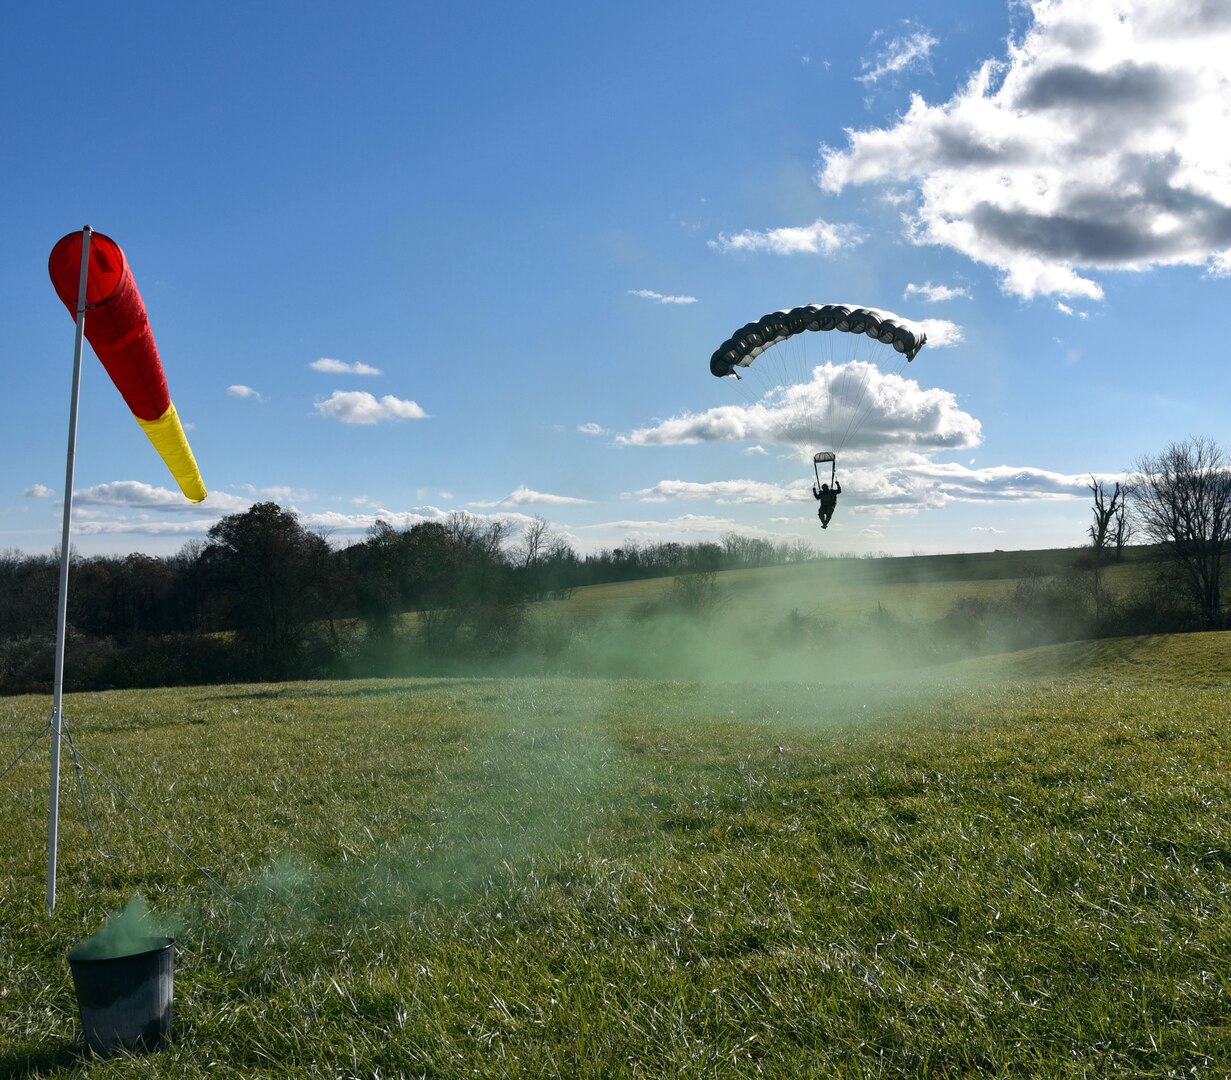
(903, 484)
(1090, 146)
(897, 55)
(278, 493)
(755, 451)
(738, 492)
(942, 333)
(153, 527)
(819, 238)
(592, 429)
(360, 407)
(897, 415)
(650, 294)
(38, 491)
(333, 521)
(987, 529)
(524, 496)
(694, 524)
(341, 367)
(240, 391)
(1064, 309)
(336, 523)
(918, 483)
(138, 495)
(933, 294)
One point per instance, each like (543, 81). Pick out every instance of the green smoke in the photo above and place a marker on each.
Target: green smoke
(132, 929)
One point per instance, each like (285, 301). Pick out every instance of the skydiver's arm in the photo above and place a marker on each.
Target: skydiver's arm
(837, 487)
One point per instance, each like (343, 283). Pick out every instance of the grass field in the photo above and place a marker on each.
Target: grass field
(1014, 866)
(839, 589)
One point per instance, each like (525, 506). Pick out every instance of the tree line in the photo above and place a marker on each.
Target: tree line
(264, 597)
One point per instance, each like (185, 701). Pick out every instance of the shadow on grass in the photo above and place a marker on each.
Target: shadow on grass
(333, 688)
(41, 1059)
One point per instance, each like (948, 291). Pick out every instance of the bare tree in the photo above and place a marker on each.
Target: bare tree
(534, 543)
(1182, 501)
(1105, 511)
(1121, 529)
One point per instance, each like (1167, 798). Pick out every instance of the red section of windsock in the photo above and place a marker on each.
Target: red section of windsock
(117, 326)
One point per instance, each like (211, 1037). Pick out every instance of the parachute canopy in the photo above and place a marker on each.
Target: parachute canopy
(118, 329)
(835, 390)
(752, 339)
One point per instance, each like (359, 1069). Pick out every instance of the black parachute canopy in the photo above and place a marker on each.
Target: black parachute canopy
(752, 339)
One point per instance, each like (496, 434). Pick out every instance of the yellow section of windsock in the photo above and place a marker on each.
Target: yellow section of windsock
(167, 435)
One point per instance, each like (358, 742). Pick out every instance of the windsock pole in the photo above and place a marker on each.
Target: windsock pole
(57, 701)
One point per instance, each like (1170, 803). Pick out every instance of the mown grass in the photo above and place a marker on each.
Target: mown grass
(1017, 867)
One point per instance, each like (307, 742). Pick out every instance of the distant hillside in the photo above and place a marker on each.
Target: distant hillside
(840, 589)
(1174, 660)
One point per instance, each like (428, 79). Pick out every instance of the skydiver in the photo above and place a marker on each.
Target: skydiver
(828, 499)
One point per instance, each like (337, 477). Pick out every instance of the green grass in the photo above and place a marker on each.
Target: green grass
(839, 589)
(1017, 866)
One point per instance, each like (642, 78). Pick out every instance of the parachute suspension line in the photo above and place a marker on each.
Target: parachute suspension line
(858, 399)
(859, 416)
(833, 468)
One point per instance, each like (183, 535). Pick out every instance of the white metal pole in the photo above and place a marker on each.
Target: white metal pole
(57, 716)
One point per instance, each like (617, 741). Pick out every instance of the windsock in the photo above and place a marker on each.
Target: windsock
(118, 329)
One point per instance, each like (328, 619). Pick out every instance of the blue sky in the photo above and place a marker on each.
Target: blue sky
(403, 259)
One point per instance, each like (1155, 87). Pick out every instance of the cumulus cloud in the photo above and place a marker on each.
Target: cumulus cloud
(738, 492)
(819, 238)
(524, 496)
(903, 52)
(916, 482)
(335, 523)
(279, 493)
(239, 390)
(135, 494)
(1090, 145)
(650, 294)
(933, 294)
(341, 367)
(895, 415)
(360, 407)
(695, 524)
(153, 527)
(942, 333)
(38, 491)
(592, 429)
(906, 484)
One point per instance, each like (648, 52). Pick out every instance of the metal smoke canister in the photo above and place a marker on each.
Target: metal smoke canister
(125, 1001)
